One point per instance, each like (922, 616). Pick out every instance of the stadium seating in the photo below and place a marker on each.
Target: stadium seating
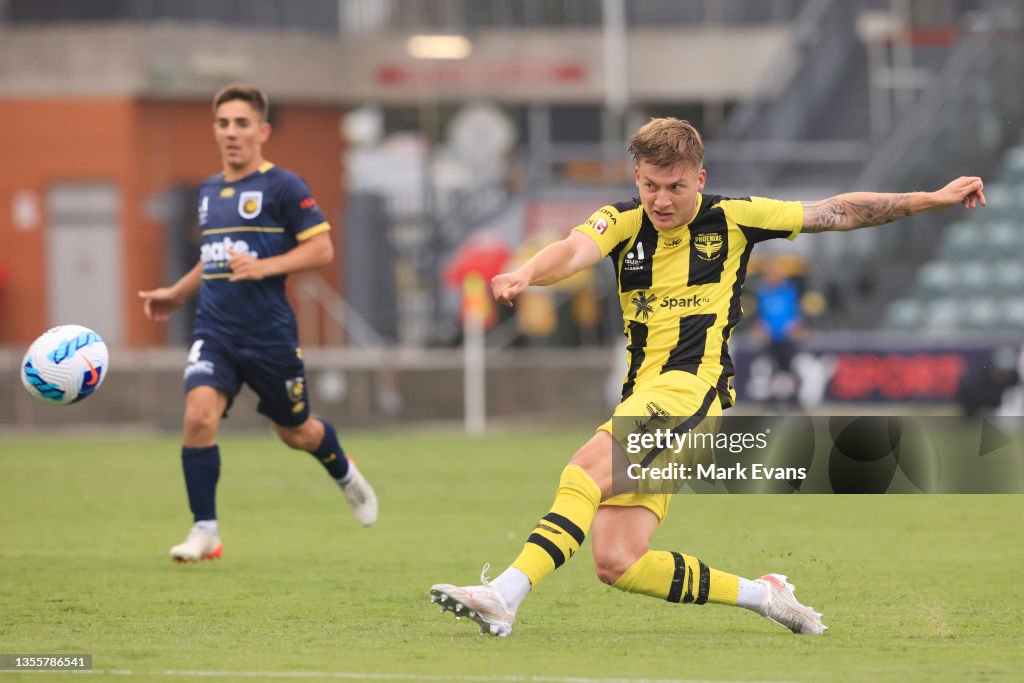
(904, 314)
(1008, 277)
(943, 314)
(972, 277)
(964, 240)
(1013, 166)
(1013, 314)
(983, 313)
(935, 278)
(976, 281)
(1004, 203)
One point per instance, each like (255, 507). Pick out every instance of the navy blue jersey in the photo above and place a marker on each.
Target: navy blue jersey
(266, 213)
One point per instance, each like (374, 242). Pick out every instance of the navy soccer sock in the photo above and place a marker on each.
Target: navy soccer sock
(330, 453)
(202, 470)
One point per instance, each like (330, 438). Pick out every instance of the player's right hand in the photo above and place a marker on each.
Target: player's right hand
(158, 303)
(508, 286)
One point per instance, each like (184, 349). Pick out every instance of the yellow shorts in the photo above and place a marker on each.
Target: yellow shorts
(674, 393)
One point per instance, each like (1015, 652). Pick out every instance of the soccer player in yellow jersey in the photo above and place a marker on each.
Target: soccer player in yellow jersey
(680, 256)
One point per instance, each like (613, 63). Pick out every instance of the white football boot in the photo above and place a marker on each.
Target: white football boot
(360, 495)
(483, 604)
(200, 545)
(784, 609)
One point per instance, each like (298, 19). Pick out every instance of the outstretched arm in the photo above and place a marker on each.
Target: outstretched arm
(158, 303)
(551, 264)
(864, 209)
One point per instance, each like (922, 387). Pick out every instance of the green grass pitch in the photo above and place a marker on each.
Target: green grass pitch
(913, 587)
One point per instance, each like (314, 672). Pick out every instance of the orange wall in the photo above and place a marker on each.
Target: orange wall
(44, 141)
(145, 147)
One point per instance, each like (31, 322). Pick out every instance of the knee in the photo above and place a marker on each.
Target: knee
(610, 566)
(305, 437)
(200, 422)
(593, 458)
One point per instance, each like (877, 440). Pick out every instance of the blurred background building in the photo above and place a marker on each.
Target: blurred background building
(450, 137)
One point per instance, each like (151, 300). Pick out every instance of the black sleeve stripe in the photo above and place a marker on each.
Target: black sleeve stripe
(755, 235)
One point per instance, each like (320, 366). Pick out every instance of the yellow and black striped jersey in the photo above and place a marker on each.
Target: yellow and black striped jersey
(680, 289)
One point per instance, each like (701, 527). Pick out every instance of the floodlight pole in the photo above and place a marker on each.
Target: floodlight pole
(616, 97)
(474, 374)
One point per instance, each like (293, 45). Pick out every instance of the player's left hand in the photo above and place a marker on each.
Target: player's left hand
(966, 190)
(244, 266)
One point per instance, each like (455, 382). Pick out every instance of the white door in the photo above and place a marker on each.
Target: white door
(83, 257)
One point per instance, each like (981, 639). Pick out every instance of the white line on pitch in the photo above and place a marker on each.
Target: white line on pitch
(351, 676)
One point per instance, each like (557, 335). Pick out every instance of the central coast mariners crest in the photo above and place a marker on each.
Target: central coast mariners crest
(250, 203)
(708, 245)
(296, 390)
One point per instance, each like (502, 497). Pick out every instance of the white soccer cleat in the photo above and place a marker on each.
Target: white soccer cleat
(784, 609)
(200, 545)
(483, 604)
(360, 495)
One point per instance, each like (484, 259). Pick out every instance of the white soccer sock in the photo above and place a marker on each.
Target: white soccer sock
(207, 525)
(513, 585)
(753, 595)
(348, 475)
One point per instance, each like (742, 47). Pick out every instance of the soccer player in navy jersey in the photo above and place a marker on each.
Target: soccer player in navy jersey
(259, 224)
(680, 256)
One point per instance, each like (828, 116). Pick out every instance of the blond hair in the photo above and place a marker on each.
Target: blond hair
(668, 142)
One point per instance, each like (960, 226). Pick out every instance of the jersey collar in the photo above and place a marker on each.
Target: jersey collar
(263, 168)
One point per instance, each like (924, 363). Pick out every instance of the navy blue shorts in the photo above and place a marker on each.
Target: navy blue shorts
(277, 375)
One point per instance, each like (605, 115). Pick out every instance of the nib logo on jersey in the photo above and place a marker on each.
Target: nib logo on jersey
(218, 253)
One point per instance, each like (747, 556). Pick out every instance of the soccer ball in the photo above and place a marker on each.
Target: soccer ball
(64, 365)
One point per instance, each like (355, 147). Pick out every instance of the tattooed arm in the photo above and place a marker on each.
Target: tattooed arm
(864, 209)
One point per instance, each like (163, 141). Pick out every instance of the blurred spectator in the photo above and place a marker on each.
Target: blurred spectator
(568, 313)
(482, 254)
(779, 326)
(982, 391)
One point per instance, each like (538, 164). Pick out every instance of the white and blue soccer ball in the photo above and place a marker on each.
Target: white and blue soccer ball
(65, 365)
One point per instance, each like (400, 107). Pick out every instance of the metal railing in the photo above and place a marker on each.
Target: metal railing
(316, 297)
(973, 113)
(355, 16)
(360, 16)
(960, 126)
(824, 41)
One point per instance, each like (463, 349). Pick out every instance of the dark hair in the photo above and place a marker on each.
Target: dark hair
(666, 142)
(256, 98)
